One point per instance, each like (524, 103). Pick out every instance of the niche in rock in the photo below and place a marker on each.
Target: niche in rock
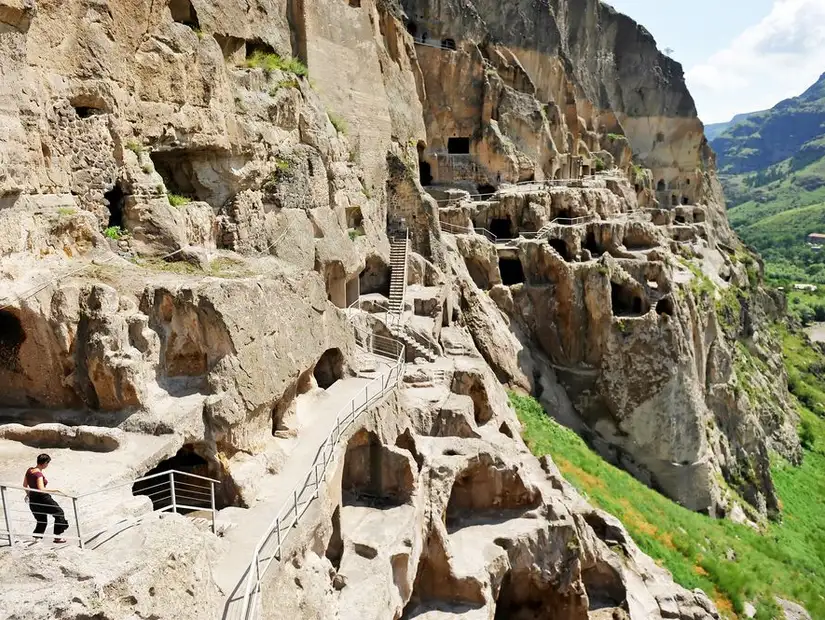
(12, 337)
(376, 277)
(591, 245)
(472, 384)
(626, 302)
(680, 219)
(458, 146)
(560, 246)
(502, 227)
(674, 200)
(257, 47)
(604, 587)
(207, 175)
(193, 493)
(355, 219)
(425, 173)
(355, 3)
(412, 28)
(637, 187)
(661, 186)
(699, 216)
(329, 369)
(487, 489)
(335, 547)
(478, 272)
(86, 106)
(512, 272)
(336, 281)
(524, 596)
(685, 200)
(485, 190)
(115, 201)
(448, 44)
(184, 13)
(374, 474)
(585, 171)
(233, 48)
(665, 306)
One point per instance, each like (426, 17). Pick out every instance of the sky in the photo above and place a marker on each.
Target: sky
(738, 55)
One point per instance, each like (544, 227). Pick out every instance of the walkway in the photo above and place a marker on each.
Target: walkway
(316, 418)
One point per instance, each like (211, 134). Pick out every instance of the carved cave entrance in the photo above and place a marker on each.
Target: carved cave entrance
(591, 245)
(329, 369)
(115, 201)
(511, 271)
(374, 474)
(661, 186)
(12, 337)
(626, 302)
(458, 146)
(184, 13)
(485, 190)
(502, 228)
(561, 247)
(192, 492)
(376, 277)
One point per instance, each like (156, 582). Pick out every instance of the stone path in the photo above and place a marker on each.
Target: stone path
(316, 414)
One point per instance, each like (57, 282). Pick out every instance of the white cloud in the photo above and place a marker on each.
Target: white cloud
(777, 58)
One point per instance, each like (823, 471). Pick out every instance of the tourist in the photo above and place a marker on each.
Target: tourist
(42, 504)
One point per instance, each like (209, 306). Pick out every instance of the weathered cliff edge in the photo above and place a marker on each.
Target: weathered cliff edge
(641, 328)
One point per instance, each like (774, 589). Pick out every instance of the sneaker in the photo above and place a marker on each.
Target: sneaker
(60, 541)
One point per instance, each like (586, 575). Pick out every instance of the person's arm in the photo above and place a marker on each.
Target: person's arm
(26, 485)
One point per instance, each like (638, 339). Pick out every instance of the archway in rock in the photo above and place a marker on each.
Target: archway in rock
(184, 13)
(591, 245)
(458, 146)
(191, 494)
(485, 190)
(524, 596)
(685, 200)
(329, 369)
(12, 337)
(511, 270)
(626, 302)
(560, 246)
(665, 306)
(425, 173)
(376, 276)
(661, 186)
(502, 227)
(374, 474)
(448, 44)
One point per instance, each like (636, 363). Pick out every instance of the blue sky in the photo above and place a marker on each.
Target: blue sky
(738, 55)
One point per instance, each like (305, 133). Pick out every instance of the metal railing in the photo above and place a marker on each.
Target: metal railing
(561, 221)
(91, 516)
(270, 546)
(467, 230)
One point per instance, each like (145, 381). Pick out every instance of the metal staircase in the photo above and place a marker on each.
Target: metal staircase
(399, 249)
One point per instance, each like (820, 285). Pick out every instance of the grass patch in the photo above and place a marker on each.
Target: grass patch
(135, 147)
(176, 200)
(66, 211)
(114, 232)
(787, 559)
(286, 83)
(221, 267)
(270, 62)
(339, 123)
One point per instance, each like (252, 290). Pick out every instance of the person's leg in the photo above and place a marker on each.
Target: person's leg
(54, 509)
(38, 508)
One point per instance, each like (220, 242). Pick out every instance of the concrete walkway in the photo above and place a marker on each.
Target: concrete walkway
(316, 414)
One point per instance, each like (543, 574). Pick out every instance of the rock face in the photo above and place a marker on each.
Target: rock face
(195, 246)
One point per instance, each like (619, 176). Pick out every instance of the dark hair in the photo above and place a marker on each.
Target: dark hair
(42, 459)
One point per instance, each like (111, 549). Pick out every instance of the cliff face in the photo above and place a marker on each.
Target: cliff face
(246, 207)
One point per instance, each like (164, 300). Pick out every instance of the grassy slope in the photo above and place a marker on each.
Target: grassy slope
(788, 559)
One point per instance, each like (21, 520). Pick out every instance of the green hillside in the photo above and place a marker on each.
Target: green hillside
(786, 559)
(773, 173)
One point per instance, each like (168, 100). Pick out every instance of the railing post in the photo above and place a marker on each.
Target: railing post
(295, 500)
(6, 514)
(212, 502)
(278, 529)
(317, 482)
(77, 522)
(172, 487)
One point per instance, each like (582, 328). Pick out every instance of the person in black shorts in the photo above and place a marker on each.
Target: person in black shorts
(42, 504)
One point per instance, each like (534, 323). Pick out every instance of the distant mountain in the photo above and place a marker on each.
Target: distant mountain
(772, 166)
(769, 137)
(714, 130)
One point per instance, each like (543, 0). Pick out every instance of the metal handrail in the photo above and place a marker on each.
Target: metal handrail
(271, 543)
(466, 230)
(85, 515)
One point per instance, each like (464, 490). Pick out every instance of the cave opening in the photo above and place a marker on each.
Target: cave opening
(335, 546)
(177, 170)
(561, 247)
(637, 187)
(478, 272)
(626, 302)
(685, 200)
(448, 44)
(191, 494)
(412, 28)
(485, 190)
(355, 218)
(355, 4)
(184, 13)
(329, 369)
(661, 186)
(257, 47)
(425, 173)
(674, 200)
(698, 216)
(665, 306)
(376, 277)
(458, 146)
(502, 228)
(374, 474)
(585, 171)
(680, 219)
(115, 201)
(591, 245)
(512, 272)
(12, 337)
